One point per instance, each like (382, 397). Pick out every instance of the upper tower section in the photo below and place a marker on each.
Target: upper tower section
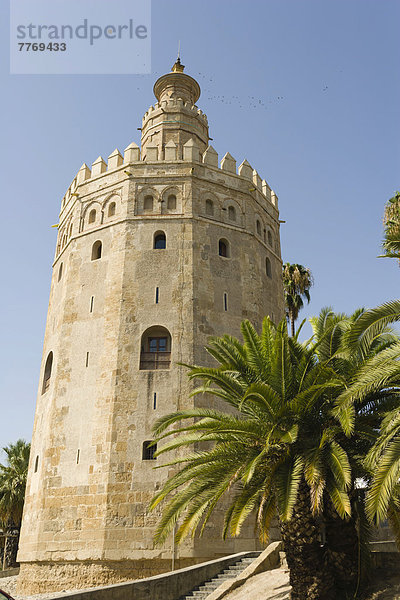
(175, 118)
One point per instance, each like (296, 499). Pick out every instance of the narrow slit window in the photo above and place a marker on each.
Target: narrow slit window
(36, 463)
(155, 401)
(78, 454)
(268, 268)
(60, 272)
(157, 295)
(149, 450)
(91, 303)
(87, 359)
(225, 301)
(47, 373)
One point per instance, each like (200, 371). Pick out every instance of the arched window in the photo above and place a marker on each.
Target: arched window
(232, 213)
(96, 250)
(47, 372)
(258, 227)
(268, 268)
(171, 202)
(155, 349)
(60, 271)
(269, 238)
(92, 216)
(148, 450)
(160, 241)
(111, 209)
(209, 207)
(223, 248)
(148, 203)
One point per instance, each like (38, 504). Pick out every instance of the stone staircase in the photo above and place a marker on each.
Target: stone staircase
(202, 591)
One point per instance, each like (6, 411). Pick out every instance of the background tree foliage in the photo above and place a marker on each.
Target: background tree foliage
(391, 220)
(13, 476)
(297, 281)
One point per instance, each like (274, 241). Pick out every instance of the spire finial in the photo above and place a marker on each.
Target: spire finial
(178, 67)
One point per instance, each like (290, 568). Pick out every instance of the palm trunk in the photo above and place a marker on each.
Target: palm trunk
(342, 545)
(344, 550)
(310, 575)
(11, 548)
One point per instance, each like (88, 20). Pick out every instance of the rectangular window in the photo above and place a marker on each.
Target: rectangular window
(149, 450)
(158, 344)
(87, 359)
(155, 401)
(91, 303)
(157, 294)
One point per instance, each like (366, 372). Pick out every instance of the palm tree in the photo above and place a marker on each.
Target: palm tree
(352, 345)
(296, 444)
(391, 219)
(279, 451)
(383, 459)
(12, 492)
(297, 281)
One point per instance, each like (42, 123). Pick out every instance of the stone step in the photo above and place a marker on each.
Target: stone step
(201, 592)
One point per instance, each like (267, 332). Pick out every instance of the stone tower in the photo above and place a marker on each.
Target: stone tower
(157, 250)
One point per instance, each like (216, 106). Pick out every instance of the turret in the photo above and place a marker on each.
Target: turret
(175, 117)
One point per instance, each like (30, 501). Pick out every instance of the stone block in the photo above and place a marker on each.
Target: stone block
(99, 166)
(210, 157)
(228, 163)
(246, 170)
(191, 151)
(83, 174)
(257, 180)
(132, 153)
(266, 190)
(115, 160)
(151, 153)
(170, 151)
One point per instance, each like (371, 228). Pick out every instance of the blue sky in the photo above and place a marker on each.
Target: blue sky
(307, 91)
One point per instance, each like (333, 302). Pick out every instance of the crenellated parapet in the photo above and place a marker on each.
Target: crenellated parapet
(174, 105)
(131, 163)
